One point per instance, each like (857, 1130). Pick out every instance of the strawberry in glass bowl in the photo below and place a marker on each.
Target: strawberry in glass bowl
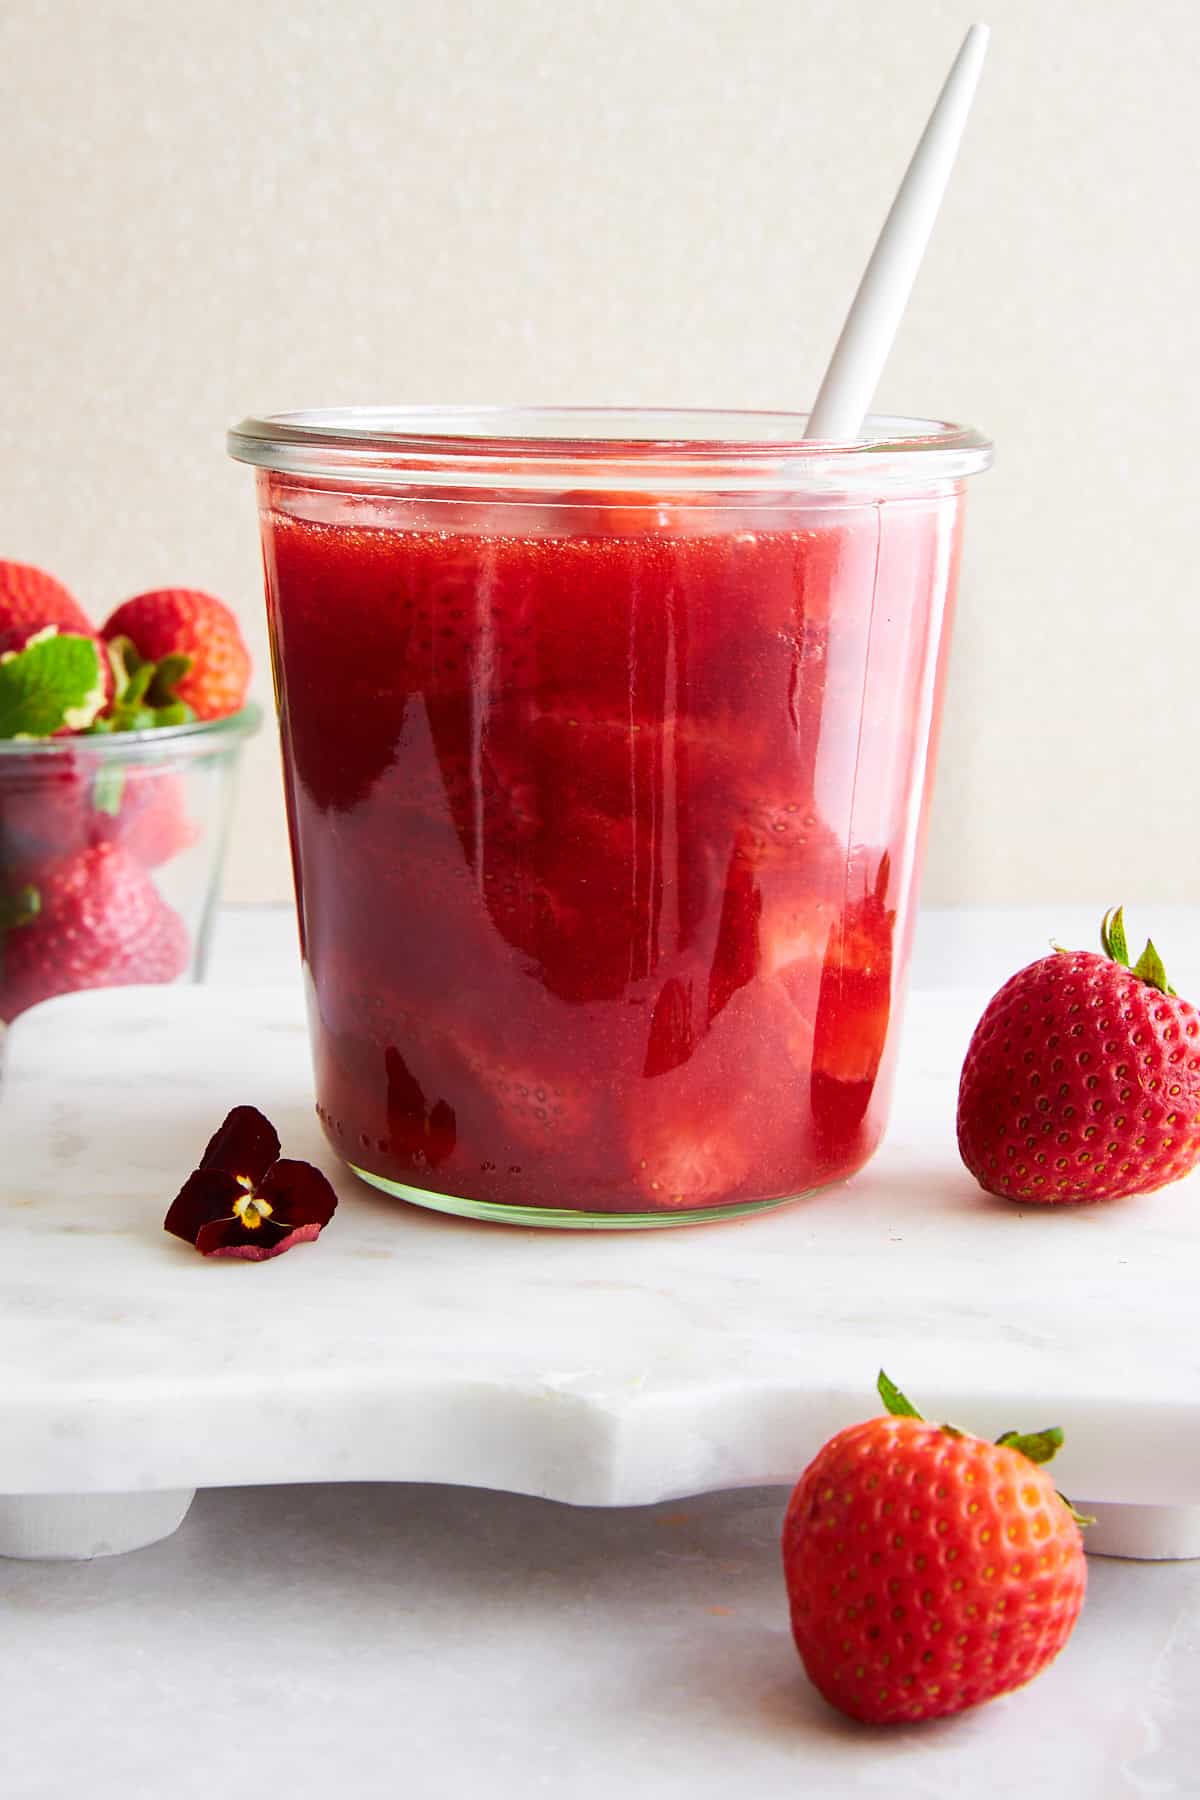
(119, 750)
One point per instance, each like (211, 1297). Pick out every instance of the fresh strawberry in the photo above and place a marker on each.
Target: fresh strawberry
(182, 623)
(91, 920)
(51, 809)
(1082, 1079)
(151, 821)
(30, 600)
(928, 1570)
(44, 810)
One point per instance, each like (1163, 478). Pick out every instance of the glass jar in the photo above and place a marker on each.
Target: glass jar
(110, 856)
(608, 739)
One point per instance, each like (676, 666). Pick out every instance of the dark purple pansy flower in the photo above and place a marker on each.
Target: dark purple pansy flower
(245, 1200)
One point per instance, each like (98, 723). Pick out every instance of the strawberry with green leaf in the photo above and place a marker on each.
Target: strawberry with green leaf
(929, 1570)
(144, 697)
(1082, 1079)
(30, 599)
(195, 644)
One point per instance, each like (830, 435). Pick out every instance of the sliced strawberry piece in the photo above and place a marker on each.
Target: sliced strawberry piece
(379, 1054)
(684, 1161)
(737, 956)
(782, 895)
(854, 1007)
(581, 754)
(731, 1116)
(421, 1133)
(490, 778)
(608, 513)
(522, 907)
(616, 622)
(537, 1104)
(672, 1038)
(780, 831)
(468, 605)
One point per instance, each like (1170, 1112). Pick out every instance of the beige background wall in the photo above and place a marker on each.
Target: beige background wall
(218, 206)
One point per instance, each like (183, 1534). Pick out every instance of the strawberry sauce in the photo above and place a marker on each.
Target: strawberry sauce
(604, 813)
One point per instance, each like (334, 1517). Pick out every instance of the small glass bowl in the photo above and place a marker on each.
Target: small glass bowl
(110, 856)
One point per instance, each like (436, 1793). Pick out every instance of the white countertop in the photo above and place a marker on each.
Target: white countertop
(437, 1641)
(409, 1643)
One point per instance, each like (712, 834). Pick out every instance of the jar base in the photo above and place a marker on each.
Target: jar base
(564, 1219)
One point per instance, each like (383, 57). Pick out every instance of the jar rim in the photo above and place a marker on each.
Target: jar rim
(547, 446)
(194, 738)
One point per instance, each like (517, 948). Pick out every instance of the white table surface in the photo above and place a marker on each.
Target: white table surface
(371, 1641)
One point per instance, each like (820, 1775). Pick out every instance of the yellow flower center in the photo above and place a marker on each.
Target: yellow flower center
(252, 1209)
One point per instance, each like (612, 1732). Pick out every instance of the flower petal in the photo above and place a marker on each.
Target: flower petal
(207, 1194)
(246, 1144)
(229, 1237)
(299, 1193)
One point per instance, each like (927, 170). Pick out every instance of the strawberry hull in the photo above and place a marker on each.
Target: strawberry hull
(604, 818)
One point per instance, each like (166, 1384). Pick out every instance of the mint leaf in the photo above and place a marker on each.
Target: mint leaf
(55, 682)
(894, 1400)
(1038, 1446)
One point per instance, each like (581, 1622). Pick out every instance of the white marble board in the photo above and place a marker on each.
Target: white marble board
(603, 1369)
